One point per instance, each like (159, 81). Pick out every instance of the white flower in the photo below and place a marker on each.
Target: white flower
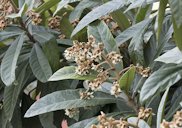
(114, 57)
(71, 112)
(115, 89)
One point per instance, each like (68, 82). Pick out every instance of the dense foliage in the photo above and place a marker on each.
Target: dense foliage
(90, 64)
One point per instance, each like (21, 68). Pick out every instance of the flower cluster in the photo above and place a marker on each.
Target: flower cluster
(96, 83)
(114, 57)
(145, 72)
(115, 27)
(3, 22)
(86, 95)
(54, 22)
(109, 122)
(85, 54)
(115, 89)
(175, 123)
(35, 17)
(72, 112)
(62, 36)
(90, 56)
(144, 113)
(6, 7)
(107, 18)
(75, 22)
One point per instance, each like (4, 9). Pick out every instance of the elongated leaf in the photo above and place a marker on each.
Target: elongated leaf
(39, 64)
(175, 103)
(163, 41)
(66, 27)
(47, 5)
(127, 79)
(131, 32)
(78, 10)
(160, 80)
(102, 33)
(20, 13)
(161, 108)
(66, 99)
(9, 61)
(68, 72)
(53, 57)
(98, 12)
(8, 33)
(136, 32)
(161, 14)
(142, 13)
(139, 3)
(121, 19)
(41, 36)
(172, 56)
(176, 8)
(177, 34)
(63, 3)
(12, 93)
(47, 120)
(141, 123)
(49, 44)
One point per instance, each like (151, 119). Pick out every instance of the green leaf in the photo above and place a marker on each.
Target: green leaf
(9, 61)
(136, 32)
(141, 123)
(63, 3)
(131, 32)
(163, 41)
(39, 64)
(176, 8)
(49, 44)
(20, 13)
(174, 103)
(160, 112)
(9, 33)
(172, 56)
(98, 12)
(42, 36)
(160, 17)
(102, 33)
(121, 19)
(11, 93)
(142, 12)
(78, 10)
(67, 99)
(53, 57)
(66, 27)
(177, 34)
(139, 3)
(68, 72)
(67, 42)
(47, 120)
(47, 5)
(126, 79)
(160, 80)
